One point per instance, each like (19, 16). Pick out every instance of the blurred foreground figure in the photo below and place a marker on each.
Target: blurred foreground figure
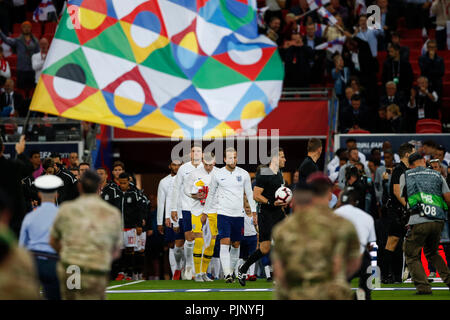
(18, 279)
(315, 251)
(35, 234)
(87, 233)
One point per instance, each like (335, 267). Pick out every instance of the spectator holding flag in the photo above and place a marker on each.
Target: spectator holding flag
(297, 58)
(25, 45)
(368, 35)
(45, 11)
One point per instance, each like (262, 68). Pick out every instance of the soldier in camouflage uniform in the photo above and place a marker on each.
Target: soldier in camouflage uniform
(87, 232)
(314, 249)
(18, 277)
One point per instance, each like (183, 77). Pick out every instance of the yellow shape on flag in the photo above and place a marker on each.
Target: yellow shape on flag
(95, 109)
(42, 101)
(190, 42)
(140, 53)
(90, 19)
(158, 123)
(253, 109)
(221, 130)
(127, 106)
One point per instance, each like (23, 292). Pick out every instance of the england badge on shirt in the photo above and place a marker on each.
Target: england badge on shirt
(239, 178)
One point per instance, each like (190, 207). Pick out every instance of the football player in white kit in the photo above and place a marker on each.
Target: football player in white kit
(165, 222)
(196, 186)
(185, 220)
(230, 183)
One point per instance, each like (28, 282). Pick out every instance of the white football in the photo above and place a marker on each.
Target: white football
(284, 194)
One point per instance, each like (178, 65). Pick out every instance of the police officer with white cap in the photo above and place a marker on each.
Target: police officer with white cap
(35, 234)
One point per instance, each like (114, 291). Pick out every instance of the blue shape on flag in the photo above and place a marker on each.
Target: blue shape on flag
(188, 61)
(148, 20)
(254, 93)
(128, 120)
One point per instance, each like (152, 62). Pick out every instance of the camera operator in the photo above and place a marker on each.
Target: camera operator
(427, 196)
(395, 214)
(355, 177)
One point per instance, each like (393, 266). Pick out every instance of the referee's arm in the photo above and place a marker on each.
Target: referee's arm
(257, 195)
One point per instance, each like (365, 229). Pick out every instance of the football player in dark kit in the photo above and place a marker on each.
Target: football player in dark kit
(270, 211)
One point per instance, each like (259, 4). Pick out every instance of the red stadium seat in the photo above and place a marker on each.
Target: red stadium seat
(50, 27)
(12, 60)
(36, 29)
(359, 131)
(49, 36)
(17, 28)
(428, 126)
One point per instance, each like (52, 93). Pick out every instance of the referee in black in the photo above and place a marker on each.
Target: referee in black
(396, 228)
(270, 211)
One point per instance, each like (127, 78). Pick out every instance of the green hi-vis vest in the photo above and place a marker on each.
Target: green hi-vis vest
(424, 189)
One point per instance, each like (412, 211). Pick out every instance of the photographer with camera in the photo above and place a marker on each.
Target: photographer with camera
(395, 208)
(427, 195)
(356, 177)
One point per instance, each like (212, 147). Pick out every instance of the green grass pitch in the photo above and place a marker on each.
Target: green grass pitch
(136, 289)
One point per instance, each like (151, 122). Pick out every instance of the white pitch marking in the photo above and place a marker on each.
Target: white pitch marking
(198, 290)
(125, 284)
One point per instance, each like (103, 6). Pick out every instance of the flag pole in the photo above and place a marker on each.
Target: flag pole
(304, 14)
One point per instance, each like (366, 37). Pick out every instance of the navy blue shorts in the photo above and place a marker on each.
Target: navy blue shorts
(180, 235)
(230, 227)
(187, 221)
(248, 246)
(169, 235)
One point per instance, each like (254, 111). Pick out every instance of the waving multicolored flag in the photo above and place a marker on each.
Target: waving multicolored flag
(43, 9)
(327, 15)
(190, 68)
(315, 4)
(332, 46)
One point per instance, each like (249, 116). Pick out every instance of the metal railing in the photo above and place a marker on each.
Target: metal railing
(45, 129)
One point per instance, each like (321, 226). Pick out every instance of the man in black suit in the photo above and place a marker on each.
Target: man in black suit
(357, 117)
(398, 70)
(297, 59)
(393, 97)
(365, 67)
(318, 64)
(11, 102)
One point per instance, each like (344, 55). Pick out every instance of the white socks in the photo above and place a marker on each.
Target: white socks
(178, 255)
(225, 259)
(189, 253)
(267, 271)
(234, 257)
(214, 267)
(251, 270)
(172, 261)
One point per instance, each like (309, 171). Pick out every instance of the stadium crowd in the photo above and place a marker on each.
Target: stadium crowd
(373, 75)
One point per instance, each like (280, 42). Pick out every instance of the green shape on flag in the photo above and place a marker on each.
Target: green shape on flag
(113, 41)
(234, 22)
(273, 70)
(66, 29)
(162, 60)
(213, 74)
(76, 57)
